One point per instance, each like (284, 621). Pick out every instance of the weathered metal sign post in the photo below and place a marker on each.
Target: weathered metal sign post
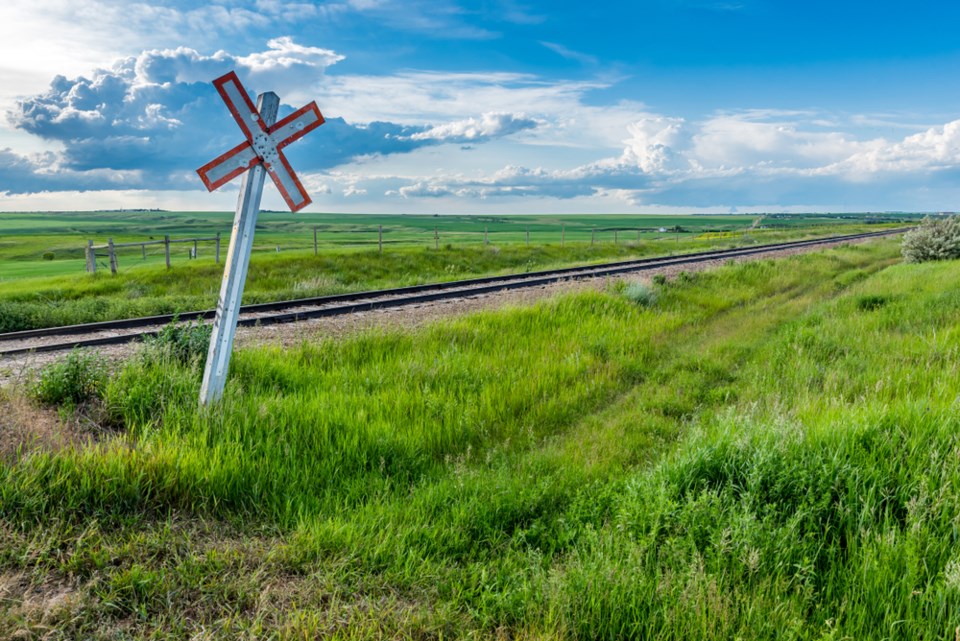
(260, 153)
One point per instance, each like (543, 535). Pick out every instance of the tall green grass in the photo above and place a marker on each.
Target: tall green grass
(768, 450)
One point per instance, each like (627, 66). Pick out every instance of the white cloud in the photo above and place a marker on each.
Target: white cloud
(935, 149)
(748, 159)
(570, 54)
(422, 190)
(653, 144)
(489, 125)
(144, 114)
(751, 138)
(420, 97)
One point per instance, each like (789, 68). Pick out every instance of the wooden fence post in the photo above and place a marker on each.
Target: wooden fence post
(486, 239)
(143, 251)
(380, 238)
(166, 249)
(563, 234)
(436, 238)
(91, 258)
(113, 256)
(218, 248)
(194, 247)
(314, 241)
(593, 235)
(528, 235)
(615, 241)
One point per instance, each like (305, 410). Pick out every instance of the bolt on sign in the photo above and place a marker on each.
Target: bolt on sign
(259, 154)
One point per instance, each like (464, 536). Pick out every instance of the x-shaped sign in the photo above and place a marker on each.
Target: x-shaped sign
(263, 144)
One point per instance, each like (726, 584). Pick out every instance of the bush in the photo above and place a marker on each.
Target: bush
(184, 342)
(933, 239)
(77, 378)
(48, 255)
(640, 294)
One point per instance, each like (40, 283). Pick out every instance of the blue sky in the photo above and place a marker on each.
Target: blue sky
(491, 106)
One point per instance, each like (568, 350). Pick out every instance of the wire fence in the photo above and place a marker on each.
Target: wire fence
(167, 250)
(110, 252)
(380, 237)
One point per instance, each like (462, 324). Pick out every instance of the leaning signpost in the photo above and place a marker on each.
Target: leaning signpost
(261, 153)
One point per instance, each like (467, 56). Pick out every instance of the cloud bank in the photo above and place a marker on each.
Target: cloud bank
(149, 120)
(752, 158)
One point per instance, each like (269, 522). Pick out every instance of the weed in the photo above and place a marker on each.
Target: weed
(641, 294)
(76, 378)
(185, 342)
(616, 286)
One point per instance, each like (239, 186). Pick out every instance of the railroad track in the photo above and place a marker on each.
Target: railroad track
(133, 329)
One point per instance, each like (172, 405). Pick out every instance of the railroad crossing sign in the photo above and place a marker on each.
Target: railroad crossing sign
(260, 153)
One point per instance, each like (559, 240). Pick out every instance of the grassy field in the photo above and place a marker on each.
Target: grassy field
(26, 237)
(764, 451)
(37, 293)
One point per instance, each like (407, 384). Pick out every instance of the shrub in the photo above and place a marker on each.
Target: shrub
(48, 255)
(933, 239)
(77, 378)
(640, 294)
(659, 279)
(184, 342)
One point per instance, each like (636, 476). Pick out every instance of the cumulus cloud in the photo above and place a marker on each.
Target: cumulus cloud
(489, 125)
(754, 137)
(750, 158)
(149, 120)
(157, 115)
(937, 148)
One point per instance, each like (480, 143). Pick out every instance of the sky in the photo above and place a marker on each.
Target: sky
(491, 106)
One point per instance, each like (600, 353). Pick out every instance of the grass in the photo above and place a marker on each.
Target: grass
(755, 453)
(26, 236)
(40, 293)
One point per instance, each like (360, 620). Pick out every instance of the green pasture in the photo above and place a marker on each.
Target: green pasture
(767, 450)
(26, 237)
(35, 292)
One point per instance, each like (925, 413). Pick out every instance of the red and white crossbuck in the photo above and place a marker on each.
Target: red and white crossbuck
(261, 153)
(263, 144)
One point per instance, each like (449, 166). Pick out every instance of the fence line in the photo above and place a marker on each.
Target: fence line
(364, 236)
(111, 250)
(376, 235)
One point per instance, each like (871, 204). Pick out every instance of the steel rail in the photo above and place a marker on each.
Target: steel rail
(396, 297)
